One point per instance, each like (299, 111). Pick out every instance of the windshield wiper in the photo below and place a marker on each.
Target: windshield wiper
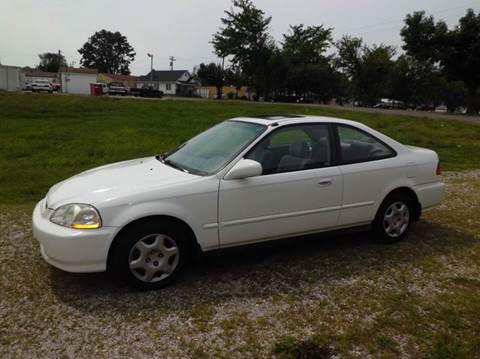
(173, 164)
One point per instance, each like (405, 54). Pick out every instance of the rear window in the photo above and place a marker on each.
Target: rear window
(359, 146)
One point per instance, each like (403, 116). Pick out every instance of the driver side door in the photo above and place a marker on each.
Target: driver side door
(300, 190)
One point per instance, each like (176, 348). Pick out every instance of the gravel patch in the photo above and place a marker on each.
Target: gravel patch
(347, 288)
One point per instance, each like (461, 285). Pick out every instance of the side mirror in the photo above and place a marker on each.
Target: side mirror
(244, 169)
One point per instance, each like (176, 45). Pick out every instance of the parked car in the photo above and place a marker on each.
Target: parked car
(243, 181)
(441, 109)
(56, 86)
(389, 104)
(42, 86)
(425, 107)
(117, 88)
(146, 92)
(27, 86)
(307, 100)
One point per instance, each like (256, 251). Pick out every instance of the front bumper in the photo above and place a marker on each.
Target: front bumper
(71, 250)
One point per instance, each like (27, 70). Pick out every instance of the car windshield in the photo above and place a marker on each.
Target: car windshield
(211, 150)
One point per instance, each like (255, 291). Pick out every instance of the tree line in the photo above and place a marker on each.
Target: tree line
(437, 66)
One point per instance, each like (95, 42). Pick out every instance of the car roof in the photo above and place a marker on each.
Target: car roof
(275, 121)
(269, 120)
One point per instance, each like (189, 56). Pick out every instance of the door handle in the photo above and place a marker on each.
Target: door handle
(325, 182)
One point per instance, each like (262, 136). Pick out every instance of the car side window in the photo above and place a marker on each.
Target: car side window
(358, 146)
(293, 148)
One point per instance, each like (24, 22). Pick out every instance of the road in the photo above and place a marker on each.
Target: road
(423, 114)
(420, 114)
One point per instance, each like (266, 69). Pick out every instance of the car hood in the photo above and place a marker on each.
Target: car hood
(114, 181)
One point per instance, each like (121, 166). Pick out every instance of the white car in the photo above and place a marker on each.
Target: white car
(243, 181)
(42, 85)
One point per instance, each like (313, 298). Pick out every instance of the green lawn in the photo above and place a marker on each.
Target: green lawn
(45, 139)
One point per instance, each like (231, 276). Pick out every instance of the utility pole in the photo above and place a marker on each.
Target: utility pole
(220, 95)
(172, 60)
(151, 67)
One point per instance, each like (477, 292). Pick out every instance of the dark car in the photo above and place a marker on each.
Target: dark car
(146, 92)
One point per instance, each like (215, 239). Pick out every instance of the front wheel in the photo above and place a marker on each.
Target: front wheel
(394, 218)
(150, 256)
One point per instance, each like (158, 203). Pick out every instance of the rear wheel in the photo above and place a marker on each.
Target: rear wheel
(394, 218)
(150, 256)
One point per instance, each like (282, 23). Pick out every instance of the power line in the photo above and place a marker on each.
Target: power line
(391, 27)
(396, 19)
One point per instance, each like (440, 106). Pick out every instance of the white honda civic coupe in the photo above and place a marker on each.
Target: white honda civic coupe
(243, 181)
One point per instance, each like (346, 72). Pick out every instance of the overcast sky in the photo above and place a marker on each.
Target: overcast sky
(183, 28)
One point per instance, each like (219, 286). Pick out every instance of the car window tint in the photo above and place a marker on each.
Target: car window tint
(289, 136)
(293, 148)
(358, 146)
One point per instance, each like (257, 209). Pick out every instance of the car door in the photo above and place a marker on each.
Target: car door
(368, 165)
(300, 190)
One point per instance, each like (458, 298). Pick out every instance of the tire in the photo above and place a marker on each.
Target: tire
(394, 218)
(150, 255)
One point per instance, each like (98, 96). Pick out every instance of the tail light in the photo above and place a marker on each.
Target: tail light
(439, 170)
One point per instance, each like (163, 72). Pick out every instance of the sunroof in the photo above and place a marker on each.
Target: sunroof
(277, 117)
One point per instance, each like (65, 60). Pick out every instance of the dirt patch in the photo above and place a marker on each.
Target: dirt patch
(359, 297)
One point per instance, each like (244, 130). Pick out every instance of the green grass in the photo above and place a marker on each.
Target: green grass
(44, 139)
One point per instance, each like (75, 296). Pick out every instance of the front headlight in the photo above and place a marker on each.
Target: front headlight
(76, 215)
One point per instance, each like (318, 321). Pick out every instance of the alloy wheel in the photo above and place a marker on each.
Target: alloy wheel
(396, 219)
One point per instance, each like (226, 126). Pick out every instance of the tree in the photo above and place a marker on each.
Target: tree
(369, 69)
(306, 45)
(457, 51)
(349, 58)
(244, 36)
(375, 73)
(211, 75)
(454, 95)
(421, 82)
(401, 80)
(108, 52)
(51, 61)
(309, 72)
(277, 73)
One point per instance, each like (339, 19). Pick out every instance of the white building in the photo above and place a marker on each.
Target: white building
(170, 82)
(11, 78)
(77, 80)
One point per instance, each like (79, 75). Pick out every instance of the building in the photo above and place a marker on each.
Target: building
(77, 80)
(11, 78)
(127, 80)
(171, 82)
